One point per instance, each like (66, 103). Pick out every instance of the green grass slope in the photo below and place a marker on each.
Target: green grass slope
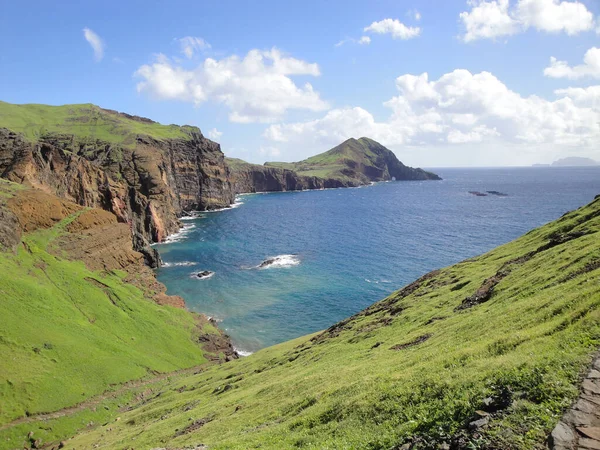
(508, 333)
(67, 333)
(84, 121)
(339, 162)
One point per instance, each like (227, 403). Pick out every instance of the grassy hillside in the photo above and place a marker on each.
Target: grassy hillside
(67, 333)
(340, 162)
(507, 334)
(85, 121)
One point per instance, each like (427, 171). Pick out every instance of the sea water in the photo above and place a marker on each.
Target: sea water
(334, 252)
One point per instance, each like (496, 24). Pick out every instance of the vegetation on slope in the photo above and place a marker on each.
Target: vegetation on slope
(84, 122)
(68, 333)
(507, 334)
(363, 155)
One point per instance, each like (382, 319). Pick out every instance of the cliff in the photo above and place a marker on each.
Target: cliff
(355, 162)
(145, 173)
(246, 177)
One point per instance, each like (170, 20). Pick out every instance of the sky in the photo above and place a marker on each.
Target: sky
(441, 83)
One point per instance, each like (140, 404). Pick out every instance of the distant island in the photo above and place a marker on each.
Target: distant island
(571, 161)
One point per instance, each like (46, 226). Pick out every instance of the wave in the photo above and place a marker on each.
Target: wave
(377, 281)
(202, 275)
(242, 353)
(279, 261)
(180, 235)
(236, 204)
(178, 264)
(191, 216)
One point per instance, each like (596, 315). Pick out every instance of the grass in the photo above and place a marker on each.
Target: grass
(67, 334)
(330, 163)
(412, 368)
(86, 122)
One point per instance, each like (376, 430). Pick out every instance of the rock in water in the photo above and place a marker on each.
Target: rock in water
(267, 262)
(205, 274)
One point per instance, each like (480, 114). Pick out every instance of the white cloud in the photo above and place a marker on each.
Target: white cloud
(394, 27)
(589, 68)
(96, 42)
(364, 40)
(458, 109)
(488, 20)
(256, 88)
(588, 97)
(214, 134)
(491, 19)
(190, 44)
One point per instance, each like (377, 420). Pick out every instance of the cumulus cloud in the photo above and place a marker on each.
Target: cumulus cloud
(394, 27)
(589, 68)
(96, 42)
(458, 108)
(214, 134)
(255, 88)
(491, 19)
(190, 45)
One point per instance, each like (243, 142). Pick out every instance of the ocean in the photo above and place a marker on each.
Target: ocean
(338, 251)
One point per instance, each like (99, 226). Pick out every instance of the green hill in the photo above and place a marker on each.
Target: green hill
(84, 122)
(363, 159)
(487, 353)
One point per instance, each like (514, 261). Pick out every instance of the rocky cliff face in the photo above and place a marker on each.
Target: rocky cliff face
(246, 178)
(147, 185)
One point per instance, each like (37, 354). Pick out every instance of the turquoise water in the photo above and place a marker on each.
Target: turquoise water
(348, 248)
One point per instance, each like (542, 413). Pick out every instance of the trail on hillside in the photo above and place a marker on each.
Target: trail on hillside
(94, 401)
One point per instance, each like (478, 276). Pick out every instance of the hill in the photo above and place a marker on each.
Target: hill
(85, 122)
(488, 353)
(355, 162)
(364, 160)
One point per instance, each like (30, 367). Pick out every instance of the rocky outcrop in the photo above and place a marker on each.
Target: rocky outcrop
(247, 178)
(147, 185)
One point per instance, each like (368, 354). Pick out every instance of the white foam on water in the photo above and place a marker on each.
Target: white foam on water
(280, 261)
(242, 353)
(206, 277)
(178, 264)
(236, 204)
(180, 235)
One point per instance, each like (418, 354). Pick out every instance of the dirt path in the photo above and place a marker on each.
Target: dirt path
(94, 401)
(579, 428)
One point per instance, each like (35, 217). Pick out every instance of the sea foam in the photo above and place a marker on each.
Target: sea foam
(178, 264)
(279, 261)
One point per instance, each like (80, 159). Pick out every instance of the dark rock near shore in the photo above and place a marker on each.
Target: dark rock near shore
(205, 274)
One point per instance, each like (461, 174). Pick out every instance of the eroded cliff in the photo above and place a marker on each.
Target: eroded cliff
(147, 182)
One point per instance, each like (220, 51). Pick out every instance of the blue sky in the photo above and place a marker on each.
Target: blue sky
(239, 70)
